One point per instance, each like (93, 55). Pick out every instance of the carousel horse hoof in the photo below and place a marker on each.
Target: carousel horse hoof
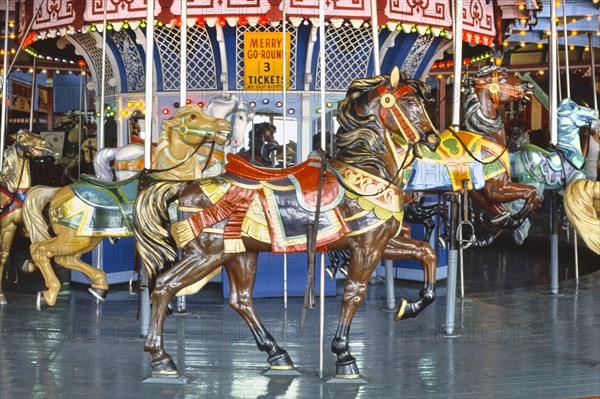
(346, 370)
(99, 293)
(344, 270)
(28, 266)
(3, 300)
(281, 361)
(165, 369)
(41, 303)
(405, 310)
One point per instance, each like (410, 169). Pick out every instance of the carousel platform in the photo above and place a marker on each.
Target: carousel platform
(515, 340)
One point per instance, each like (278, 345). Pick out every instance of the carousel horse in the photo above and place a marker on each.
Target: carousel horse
(228, 220)
(82, 214)
(16, 182)
(555, 168)
(262, 146)
(476, 159)
(129, 159)
(71, 124)
(582, 206)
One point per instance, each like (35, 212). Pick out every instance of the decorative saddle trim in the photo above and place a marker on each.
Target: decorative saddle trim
(371, 191)
(238, 166)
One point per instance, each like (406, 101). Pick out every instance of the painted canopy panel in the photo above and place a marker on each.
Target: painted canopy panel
(478, 14)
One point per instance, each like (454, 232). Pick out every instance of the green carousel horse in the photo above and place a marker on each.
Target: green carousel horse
(83, 213)
(16, 182)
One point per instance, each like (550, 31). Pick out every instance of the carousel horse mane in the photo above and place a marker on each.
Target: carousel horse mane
(355, 97)
(582, 206)
(355, 140)
(475, 120)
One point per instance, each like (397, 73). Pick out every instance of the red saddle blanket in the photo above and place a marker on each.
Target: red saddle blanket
(303, 177)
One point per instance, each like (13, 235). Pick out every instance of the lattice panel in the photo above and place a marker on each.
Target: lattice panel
(239, 45)
(89, 44)
(201, 64)
(347, 54)
(132, 60)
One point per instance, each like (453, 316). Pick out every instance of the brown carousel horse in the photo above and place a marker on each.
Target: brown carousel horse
(228, 220)
(82, 214)
(479, 154)
(16, 182)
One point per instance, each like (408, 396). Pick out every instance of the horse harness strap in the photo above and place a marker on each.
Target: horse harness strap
(311, 238)
(389, 105)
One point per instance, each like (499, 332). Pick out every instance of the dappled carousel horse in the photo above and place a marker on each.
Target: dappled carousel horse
(16, 182)
(129, 159)
(228, 220)
(553, 169)
(582, 206)
(82, 214)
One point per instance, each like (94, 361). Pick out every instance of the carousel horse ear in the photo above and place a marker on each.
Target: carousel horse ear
(395, 78)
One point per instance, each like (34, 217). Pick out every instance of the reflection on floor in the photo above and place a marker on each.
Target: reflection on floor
(516, 340)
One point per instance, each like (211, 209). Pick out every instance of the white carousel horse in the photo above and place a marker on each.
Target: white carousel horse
(128, 160)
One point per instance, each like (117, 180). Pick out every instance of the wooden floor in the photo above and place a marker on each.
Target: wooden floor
(516, 341)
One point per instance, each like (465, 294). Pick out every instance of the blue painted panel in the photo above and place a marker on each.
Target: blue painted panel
(269, 279)
(118, 261)
(66, 92)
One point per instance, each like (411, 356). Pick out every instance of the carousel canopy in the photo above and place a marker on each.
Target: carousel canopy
(62, 17)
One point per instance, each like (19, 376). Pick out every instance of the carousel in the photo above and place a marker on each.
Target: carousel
(278, 158)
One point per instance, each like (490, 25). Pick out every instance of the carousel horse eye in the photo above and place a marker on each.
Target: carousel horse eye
(387, 100)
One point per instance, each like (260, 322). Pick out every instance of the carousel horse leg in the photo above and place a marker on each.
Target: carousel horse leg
(241, 271)
(6, 239)
(66, 249)
(404, 248)
(190, 269)
(360, 269)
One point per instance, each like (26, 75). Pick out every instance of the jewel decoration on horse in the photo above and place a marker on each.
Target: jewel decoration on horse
(16, 182)
(228, 219)
(82, 214)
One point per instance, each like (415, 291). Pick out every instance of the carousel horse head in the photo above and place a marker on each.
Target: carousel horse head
(89, 148)
(499, 86)
(387, 103)
(29, 144)
(237, 112)
(192, 127)
(572, 116)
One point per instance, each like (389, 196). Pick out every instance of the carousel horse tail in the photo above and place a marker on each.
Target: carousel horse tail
(582, 206)
(154, 243)
(102, 161)
(33, 212)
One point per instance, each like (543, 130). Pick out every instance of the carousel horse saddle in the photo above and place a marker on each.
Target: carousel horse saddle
(451, 164)
(534, 155)
(107, 195)
(302, 180)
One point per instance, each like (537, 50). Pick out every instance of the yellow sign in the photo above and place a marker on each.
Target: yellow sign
(263, 60)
